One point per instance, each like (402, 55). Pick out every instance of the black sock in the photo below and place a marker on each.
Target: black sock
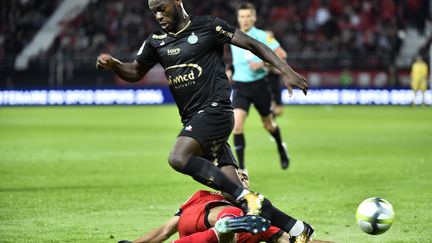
(239, 145)
(277, 217)
(277, 136)
(208, 174)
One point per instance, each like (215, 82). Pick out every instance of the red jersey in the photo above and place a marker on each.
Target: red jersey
(193, 217)
(193, 212)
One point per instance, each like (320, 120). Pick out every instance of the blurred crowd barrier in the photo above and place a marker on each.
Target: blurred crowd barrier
(161, 95)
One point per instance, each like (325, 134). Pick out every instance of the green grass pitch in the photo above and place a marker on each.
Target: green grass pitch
(100, 174)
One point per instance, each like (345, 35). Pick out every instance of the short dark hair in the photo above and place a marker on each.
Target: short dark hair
(246, 5)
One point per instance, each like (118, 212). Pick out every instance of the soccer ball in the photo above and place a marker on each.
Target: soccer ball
(375, 215)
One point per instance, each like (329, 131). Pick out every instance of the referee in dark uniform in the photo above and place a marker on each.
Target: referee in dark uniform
(190, 50)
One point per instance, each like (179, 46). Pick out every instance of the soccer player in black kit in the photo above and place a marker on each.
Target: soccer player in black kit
(190, 49)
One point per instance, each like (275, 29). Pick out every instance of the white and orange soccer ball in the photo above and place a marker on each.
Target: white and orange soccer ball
(375, 215)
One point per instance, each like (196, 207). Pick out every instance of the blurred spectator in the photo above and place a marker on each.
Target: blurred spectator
(345, 79)
(19, 21)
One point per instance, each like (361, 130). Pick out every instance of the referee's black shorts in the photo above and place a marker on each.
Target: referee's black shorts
(275, 87)
(211, 127)
(256, 93)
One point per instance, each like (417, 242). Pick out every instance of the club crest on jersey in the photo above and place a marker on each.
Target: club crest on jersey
(193, 39)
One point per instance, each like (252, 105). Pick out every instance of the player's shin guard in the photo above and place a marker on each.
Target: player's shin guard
(208, 174)
(239, 145)
(209, 236)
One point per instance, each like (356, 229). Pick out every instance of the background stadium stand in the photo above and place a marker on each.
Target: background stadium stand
(20, 20)
(378, 35)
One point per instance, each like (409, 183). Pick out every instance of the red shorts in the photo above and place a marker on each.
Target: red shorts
(193, 214)
(193, 217)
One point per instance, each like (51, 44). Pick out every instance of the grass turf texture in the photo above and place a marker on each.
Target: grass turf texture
(100, 174)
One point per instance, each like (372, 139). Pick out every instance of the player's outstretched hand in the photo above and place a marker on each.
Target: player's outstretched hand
(298, 81)
(104, 61)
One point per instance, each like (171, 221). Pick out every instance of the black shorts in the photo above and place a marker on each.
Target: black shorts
(256, 93)
(226, 157)
(275, 87)
(211, 127)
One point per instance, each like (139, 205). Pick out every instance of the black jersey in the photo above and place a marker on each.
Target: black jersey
(193, 63)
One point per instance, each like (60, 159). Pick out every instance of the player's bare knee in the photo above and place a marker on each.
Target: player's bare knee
(178, 160)
(269, 126)
(238, 129)
(278, 111)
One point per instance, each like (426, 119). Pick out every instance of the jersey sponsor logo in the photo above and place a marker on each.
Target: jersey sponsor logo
(159, 37)
(173, 51)
(193, 39)
(189, 74)
(188, 128)
(220, 30)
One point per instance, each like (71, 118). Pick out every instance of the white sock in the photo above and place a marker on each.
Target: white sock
(242, 194)
(297, 229)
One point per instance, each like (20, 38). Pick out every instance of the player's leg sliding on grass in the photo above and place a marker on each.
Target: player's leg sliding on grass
(207, 217)
(203, 210)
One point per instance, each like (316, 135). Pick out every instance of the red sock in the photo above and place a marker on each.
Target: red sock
(208, 236)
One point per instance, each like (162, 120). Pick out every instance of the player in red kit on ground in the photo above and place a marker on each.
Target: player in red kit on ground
(201, 219)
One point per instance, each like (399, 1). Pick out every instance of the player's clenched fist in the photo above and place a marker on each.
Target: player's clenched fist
(104, 61)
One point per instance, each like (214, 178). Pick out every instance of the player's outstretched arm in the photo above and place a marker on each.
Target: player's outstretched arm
(280, 52)
(131, 72)
(161, 233)
(291, 77)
